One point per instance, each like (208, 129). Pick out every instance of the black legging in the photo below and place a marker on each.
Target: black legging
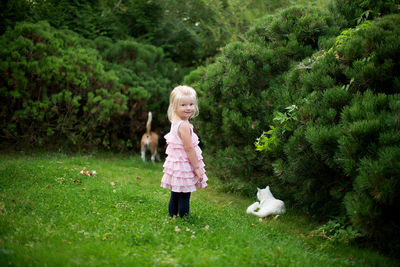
(178, 203)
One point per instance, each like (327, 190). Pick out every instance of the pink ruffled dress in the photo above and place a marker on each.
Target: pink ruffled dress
(179, 173)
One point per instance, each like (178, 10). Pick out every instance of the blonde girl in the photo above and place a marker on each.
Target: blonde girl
(184, 167)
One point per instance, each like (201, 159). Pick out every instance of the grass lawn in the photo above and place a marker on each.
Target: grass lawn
(52, 215)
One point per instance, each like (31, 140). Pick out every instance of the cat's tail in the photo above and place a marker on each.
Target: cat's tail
(253, 207)
(267, 212)
(262, 214)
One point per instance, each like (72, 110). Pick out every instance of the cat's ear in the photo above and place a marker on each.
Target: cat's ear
(258, 189)
(267, 187)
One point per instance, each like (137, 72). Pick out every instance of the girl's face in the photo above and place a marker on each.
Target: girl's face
(185, 108)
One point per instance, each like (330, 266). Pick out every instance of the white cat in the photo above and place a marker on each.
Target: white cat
(268, 205)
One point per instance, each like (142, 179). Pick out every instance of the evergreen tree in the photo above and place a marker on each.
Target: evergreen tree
(328, 104)
(241, 89)
(348, 127)
(355, 12)
(13, 11)
(57, 88)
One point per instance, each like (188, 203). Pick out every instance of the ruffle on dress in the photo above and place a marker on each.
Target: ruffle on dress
(179, 173)
(178, 154)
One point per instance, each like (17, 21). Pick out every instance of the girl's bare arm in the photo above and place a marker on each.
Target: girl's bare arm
(185, 135)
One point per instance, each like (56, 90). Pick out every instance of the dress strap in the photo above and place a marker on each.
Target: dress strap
(175, 126)
(179, 124)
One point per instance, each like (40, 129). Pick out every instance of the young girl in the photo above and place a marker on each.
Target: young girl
(184, 166)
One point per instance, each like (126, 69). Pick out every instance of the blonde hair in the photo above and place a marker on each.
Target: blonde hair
(176, 96)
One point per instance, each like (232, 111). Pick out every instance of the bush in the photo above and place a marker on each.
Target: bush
(348, 131)
(55, 87)
(371, 152)
(231, 109)
(337, 230)
(239, 92)
(356, 11)
(346, 90)
(12, 12)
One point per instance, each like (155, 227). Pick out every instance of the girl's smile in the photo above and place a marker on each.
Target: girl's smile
(185, 108)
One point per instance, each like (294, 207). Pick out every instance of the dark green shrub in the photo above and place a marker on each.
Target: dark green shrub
(338, 230)
(356, 11)
(185, 31)
(55, 90)
(190, 32)
(140, 18)
(144, 67)
(231, 108)
(296, 29)
(83, 17)
(370, 149)
(346, 122)
(347, 140)
(241, 89)
(373, 206)
(13, 11)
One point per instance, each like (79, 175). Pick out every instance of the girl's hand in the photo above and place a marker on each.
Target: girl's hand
(199, 174)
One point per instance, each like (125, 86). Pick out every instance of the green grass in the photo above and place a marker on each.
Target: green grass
(119, 218)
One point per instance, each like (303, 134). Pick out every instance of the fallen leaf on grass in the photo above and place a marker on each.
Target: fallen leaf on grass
(137, 177)
(48, 186)
(88, 173)
(105, 236)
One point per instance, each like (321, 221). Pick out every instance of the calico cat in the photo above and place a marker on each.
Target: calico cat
(268, 204)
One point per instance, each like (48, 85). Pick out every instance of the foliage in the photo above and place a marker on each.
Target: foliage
(12, 11)
(185, 31)
(189, 31)
(139, 19)
(371, 152)
(348, 34)
(193, 31)
(356, 11)
(348, 118)
(57, 88)
(346, 89)
(337, 230)
(239, 92)
(268, 143)
(83, 17)
(119, 217)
